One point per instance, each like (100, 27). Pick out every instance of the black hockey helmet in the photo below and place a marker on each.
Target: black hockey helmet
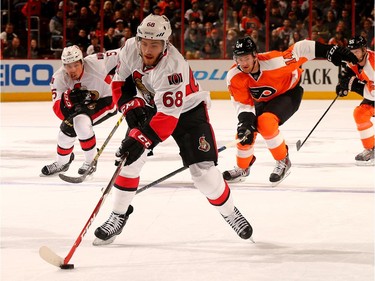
(357, 42)
(244, 46)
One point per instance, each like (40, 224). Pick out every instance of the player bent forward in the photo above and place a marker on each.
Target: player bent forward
(265, 91)
(82, 98)
(165, 85)
(359, 78)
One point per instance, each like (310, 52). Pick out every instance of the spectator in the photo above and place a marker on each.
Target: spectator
(193, 25)
(338, 39)
(7, 35)
(170, 9)
(128, 11)
(334, 8)
(214, 39)
(82, 40)
(127, 33)
(14, 50)
(295, 38)
(250, 22)
(146, 8)
(108, 14)
(84, 21)
(110, 41)
(93, 12)
(193, 45)
(56, 24)
(34, 49)
(210, 12)
(70, 7)
(119, 4)
(368, 31)
(71, 31)
(276, 20)
(321, 28)
(285, 33)
(194, 13)
(233, 21)
(258, 41)
(210, 52)
(231, 39)
(302, 31)
(119, 28)
(331, 23)
(315, 36)
(94, 48)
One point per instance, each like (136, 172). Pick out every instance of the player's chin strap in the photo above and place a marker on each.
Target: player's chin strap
(231, 144)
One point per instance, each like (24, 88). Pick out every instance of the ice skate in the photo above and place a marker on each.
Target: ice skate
(240, 225)
(365, 158)
(55, 168)
(281, 171)
(238, 174)
(85, 167)
(109, 230)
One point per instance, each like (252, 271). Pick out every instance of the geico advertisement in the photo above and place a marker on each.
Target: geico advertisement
(28, 76)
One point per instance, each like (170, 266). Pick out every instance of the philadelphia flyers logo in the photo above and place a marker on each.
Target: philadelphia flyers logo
(262, 92)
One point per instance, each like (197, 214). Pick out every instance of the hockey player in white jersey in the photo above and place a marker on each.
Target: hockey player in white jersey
(82, 98)
(166, 101)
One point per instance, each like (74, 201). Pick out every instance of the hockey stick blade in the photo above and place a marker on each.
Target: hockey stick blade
(50, 256)
(79, 179)
(298, 145)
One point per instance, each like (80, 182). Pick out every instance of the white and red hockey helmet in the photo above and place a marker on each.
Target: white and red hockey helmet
(155, 27)
(71, 54)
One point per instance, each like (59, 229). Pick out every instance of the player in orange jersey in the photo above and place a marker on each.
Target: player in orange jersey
(359, 78)
(265, 91)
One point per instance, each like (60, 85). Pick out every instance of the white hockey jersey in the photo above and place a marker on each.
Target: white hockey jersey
(95, 76)
(170, 85)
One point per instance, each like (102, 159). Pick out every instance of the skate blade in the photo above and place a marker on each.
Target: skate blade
(276, 183)
(365, 163)
(100, 242)
(237, 180)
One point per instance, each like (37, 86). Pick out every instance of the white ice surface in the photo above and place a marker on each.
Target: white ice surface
(316, 225)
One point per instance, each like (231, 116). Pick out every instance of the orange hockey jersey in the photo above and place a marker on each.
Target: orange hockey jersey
(279, 72)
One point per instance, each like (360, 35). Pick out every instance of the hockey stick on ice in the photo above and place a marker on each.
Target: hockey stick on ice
(171, 174)
(95, 161)
(51, 257)
(299, 144)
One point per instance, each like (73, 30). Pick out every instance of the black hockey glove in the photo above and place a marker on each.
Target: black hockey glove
(76, 96)
(246, 127)
(135, 113)
(347, 84)
(337, 54)
(133, 145)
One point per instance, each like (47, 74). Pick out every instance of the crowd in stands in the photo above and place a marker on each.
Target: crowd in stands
(204, 26)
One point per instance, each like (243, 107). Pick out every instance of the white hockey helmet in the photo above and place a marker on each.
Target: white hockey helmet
(71, 54)
(155, 27)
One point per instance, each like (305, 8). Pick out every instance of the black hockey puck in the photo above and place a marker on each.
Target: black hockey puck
(67, 266)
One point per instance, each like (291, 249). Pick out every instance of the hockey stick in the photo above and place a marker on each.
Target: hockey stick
(184, 168)
(51, 257)
(299, 144)
(95, 161)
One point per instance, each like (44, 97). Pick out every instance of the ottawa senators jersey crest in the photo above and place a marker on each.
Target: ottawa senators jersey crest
(203, 144)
